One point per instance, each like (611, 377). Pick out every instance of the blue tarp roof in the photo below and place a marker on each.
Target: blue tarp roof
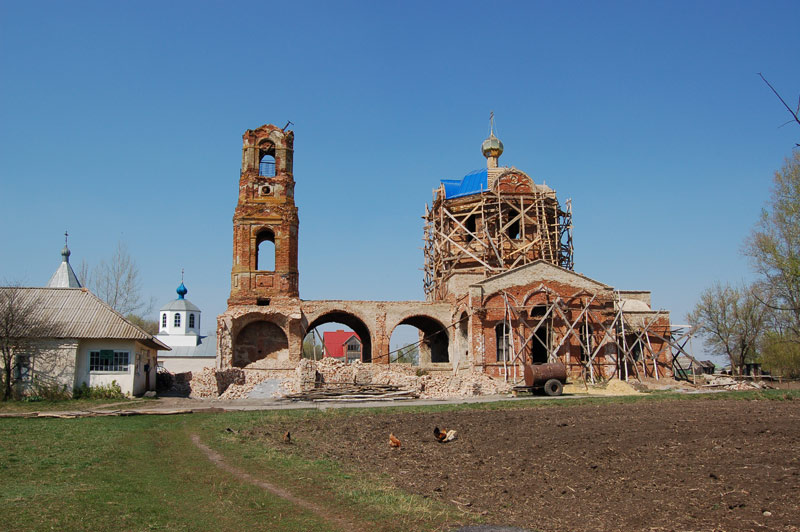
(473, 183)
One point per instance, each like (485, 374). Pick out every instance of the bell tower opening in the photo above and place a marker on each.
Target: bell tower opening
(265, 255)
(265, 223)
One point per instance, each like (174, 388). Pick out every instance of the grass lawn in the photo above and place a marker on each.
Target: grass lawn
(144, 473)
(7, 407)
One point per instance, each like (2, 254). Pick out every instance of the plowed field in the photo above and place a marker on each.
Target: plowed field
(651, 465)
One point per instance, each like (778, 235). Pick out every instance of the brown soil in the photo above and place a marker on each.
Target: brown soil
(655, 465)
(218, 460)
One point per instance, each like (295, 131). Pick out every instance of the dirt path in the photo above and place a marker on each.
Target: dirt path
(321, 512)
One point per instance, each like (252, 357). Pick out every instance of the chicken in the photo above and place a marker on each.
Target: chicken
(287, 438)
(444, 436)
(393, 441)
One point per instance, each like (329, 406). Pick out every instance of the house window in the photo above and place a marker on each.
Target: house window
(164, 320)
(177, 321)
(191, 321)
(108, 360)
(22, 369)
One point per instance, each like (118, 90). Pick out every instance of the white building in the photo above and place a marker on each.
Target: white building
(77, 338)
(81, 341)
(179, 328)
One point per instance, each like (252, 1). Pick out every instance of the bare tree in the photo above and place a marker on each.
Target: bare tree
(83, 274)
(732, 320)
(117, 283)
(20, 325)
(794, 112)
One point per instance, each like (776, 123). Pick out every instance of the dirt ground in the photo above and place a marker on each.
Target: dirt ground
(719, 465)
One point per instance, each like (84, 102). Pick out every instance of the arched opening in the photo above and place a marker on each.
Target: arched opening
(259, 340)
(333, 322)
(502, 333)
(265, 252)
(266, 166)
(433, 341)
(404, 345)
(540, 343)
(462, 345)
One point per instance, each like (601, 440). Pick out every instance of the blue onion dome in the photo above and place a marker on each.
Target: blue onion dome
(65, 253)
(182, 291)
(492, 147)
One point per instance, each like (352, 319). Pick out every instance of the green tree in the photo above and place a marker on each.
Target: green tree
(311, 349)
(408, 354)
(149, 326)
(732, 320)
(780, 355)
(774, 247)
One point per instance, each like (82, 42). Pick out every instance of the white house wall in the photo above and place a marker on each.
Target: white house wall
(131, 382)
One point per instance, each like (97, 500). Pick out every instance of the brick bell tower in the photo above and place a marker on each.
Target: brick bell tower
(265, 222)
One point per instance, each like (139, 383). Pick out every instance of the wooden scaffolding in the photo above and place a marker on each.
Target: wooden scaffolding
(491, 232)
(622, 344)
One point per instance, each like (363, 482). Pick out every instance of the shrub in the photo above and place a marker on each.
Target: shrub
(48, 391)
(104, 391)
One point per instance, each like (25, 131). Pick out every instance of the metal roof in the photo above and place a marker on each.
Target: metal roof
(206, 348)
(181, 304)
(77, 313)
(64, 277)
(472, 183)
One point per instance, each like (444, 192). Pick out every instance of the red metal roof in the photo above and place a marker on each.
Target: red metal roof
(335, 340)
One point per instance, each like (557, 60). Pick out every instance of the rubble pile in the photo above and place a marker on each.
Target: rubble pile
(235, 383)
(435, 385)
(238, 383)
(728, 383)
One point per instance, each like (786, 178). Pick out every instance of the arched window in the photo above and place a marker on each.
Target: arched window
(177, 320)
(191, 321)
(265, 254)
(503, 335)
(266, 166)
(164, 320)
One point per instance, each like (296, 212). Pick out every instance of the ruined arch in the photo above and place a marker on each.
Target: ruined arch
(435, 346)
(352, 321)
(259, 340)
(265, 250)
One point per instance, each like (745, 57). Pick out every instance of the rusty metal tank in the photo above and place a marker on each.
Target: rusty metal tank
(538, 374)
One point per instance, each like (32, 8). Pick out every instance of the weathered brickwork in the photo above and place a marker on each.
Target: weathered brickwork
(501, 290)
(265, 213)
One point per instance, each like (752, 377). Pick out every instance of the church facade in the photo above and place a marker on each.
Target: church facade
(499, 282)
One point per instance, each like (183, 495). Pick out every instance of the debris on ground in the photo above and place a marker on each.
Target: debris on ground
(729, 383)
(329, 378)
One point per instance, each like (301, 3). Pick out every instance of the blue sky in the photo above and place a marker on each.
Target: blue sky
(123, 121)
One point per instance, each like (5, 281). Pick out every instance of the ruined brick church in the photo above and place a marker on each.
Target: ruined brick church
(499, 282)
